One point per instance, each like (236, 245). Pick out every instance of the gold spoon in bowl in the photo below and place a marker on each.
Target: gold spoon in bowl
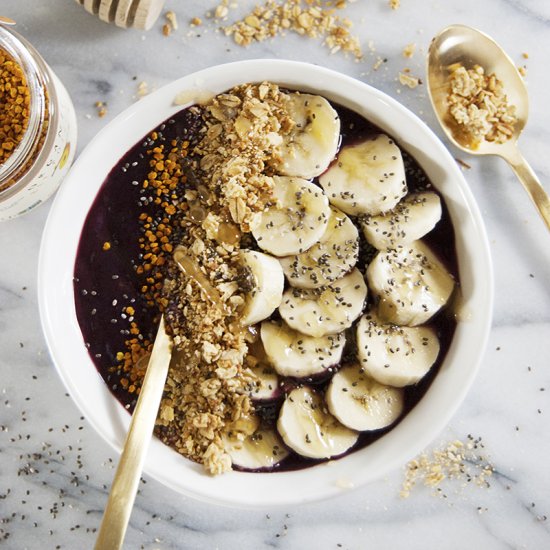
(459, 44)
(128, 473)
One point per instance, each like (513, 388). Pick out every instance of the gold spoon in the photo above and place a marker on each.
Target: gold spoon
(125, 484)
(6, 21)
(468, 47)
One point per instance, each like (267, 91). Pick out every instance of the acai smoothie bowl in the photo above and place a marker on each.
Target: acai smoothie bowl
(322, 269)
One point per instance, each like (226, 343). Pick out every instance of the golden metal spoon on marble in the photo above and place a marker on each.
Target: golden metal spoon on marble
(128, 473)
(459, 44)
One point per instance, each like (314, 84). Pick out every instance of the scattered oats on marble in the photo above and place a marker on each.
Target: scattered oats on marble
(408, 80)
(311, 18)
(463, 461)
(143, 89)
(101, 108)
(408, 50)
(378, 63)
(171, 20)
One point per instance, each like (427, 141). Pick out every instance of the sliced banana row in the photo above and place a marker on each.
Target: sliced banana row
(316, 246)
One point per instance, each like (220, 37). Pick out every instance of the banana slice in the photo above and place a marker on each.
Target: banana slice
(360, 402)
(308, 428)
(252, 447)
(328, 260)
(397, 356)
(267, 281)
(367, 178)
(328, 310)
(262, 450)
(410, 284)
(413, 217)
(312, 144)
(294, 354)
(265, 383)
(297, 220)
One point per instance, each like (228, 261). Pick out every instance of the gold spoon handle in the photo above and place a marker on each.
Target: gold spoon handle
(6, 21)
(531, 183)
(125, 484)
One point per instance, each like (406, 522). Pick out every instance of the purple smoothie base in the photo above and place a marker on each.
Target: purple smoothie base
(105, 281)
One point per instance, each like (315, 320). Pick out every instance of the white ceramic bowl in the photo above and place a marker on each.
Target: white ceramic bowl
(420, 426)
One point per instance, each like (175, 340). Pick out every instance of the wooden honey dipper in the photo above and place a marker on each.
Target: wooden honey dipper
(139, 14)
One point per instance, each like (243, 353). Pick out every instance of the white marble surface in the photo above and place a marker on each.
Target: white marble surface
(55, 470)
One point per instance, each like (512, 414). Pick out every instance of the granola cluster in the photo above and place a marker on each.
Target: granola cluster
(479, 106)
(227, 182)
(243, 133)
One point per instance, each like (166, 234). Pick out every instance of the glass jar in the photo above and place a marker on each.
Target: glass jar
(40, 160)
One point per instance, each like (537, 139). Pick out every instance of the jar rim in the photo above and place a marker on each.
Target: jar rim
(14, 46)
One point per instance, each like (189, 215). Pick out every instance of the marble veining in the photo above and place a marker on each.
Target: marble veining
(55, 470)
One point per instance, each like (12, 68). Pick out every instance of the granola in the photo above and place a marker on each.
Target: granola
(206, 393)
(479, 106)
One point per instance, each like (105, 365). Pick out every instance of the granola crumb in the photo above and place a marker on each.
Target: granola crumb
(166, 29)
(143, 89)
(171, 19)
(408, 50)
(525, 55)
(394, 4)
(101, 108)
(221, 11)
(522, 70)
(196, 22)
(479, 106)
(378, 63)
(463, 461)
(408, 80)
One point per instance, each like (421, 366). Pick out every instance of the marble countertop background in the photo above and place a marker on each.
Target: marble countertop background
(55, 470)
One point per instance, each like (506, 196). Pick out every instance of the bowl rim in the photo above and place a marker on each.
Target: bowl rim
(91, 395)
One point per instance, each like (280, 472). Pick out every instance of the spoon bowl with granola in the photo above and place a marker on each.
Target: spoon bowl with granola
(481, 101)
